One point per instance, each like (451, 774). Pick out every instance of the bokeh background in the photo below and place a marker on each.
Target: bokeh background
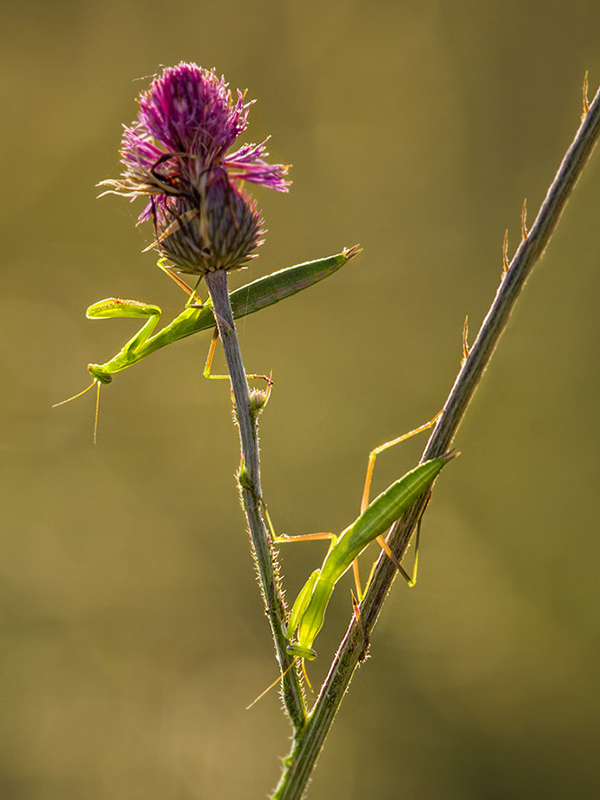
(132, 630)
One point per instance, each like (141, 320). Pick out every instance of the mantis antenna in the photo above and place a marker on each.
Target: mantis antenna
(75, 396)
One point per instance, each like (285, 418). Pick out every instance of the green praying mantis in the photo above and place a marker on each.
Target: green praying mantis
(308, 612)
(198, 316)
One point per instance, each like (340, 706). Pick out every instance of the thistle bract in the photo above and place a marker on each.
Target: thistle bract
(176, 154)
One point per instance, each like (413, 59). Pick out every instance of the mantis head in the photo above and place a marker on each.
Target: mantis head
(99, 374)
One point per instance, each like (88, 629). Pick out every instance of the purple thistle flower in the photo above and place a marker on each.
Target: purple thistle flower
(176, 153)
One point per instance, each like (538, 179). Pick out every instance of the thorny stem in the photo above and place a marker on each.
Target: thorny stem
(250, 490)
(307, 746)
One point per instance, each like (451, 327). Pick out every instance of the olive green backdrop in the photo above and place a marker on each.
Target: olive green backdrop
(133, 633)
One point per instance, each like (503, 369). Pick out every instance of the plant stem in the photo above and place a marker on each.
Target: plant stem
(250, 490)
(307, 746)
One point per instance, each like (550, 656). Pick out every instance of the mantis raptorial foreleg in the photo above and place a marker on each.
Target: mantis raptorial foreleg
(115, 307)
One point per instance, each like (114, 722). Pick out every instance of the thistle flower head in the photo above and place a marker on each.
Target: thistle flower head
(176, 154)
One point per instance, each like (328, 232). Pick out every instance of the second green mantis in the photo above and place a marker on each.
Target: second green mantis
(308, 612)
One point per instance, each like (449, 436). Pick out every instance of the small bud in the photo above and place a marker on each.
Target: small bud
(259, 399)
(243, 478)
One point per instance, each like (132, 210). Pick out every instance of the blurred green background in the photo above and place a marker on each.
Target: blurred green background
(132, 630)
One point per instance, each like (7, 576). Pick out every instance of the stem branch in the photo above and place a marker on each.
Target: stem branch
(307, 746)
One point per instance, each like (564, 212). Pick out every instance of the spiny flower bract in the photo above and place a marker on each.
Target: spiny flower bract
(176, 153)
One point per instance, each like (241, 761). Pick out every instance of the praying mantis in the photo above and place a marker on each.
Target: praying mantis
(308, 612)
(250, 298)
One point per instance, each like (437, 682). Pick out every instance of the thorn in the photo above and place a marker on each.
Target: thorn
(505, 264)
(586, 102)
(524, 220)
(466, 348)
(359, 621)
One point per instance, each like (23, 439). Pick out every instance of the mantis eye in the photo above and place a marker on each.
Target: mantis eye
(301, 652)
(99, 374)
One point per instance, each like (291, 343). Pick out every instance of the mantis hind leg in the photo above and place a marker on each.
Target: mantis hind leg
(195, 301)
(258, 398)
(209, 360)
(410, 579)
